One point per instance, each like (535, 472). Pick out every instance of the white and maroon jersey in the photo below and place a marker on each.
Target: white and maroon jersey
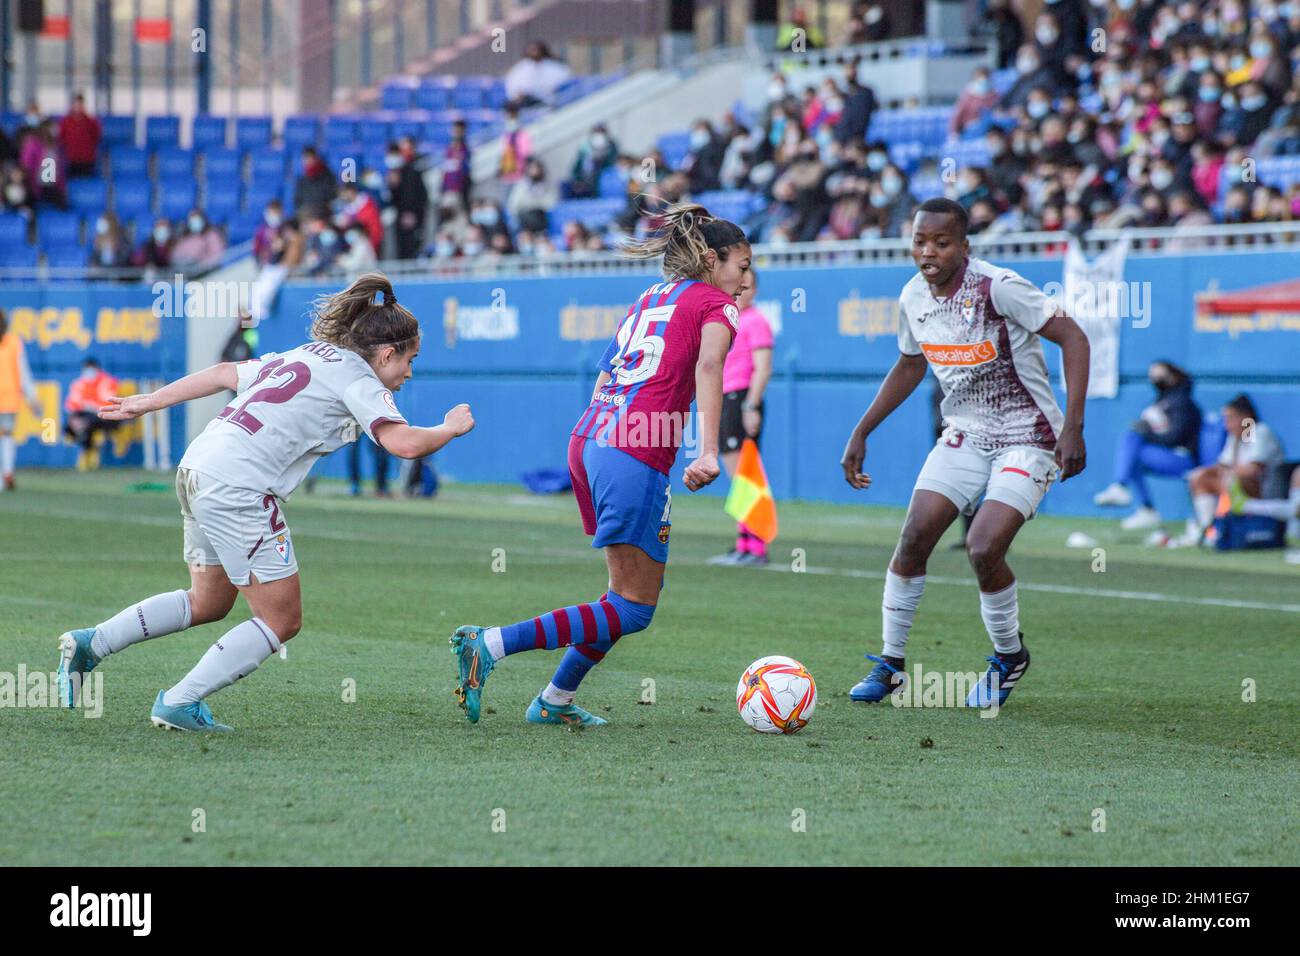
(651, 361)
(290, 409)
(983, 345)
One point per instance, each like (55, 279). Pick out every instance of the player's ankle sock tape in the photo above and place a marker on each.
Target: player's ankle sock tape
(152, 617)
(1001, 613)
(603, 621)
(237, 653)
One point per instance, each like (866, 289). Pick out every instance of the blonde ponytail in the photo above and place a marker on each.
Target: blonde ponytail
(687, 236)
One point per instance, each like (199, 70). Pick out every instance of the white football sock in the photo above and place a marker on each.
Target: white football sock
(1001, 613)
(1204, 506)
(1283, 509)
(236, 654)
(8, 455)
(152, 617)
(902, 595)
(557, 697)
(495, 645)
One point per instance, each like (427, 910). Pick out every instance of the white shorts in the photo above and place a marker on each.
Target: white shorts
(1018, 476)
(243, 531)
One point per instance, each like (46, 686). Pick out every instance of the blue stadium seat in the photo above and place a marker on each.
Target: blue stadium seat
(433, 94)
(221, 164)
(87, 196)
(57, 228)
(252, 132)
(17, 257)
(208, 132)
(261, 190)
(494, 97)
(340, 130)
(410, 123)
(118, 131)
(221, 200)
(175, 163)
(611, 184)
(374, 130)
(13, 229)
(674, 146)
(467, 96)
(176, 198)
(162, 131)
(132, 197)
(733, 204)
(66, 256)
(268, 163)
(129, 161)
(301, 130)
(398, 94)
(240, 228)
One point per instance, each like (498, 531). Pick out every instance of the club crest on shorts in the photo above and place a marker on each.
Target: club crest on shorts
(282, 547)
(664, 529)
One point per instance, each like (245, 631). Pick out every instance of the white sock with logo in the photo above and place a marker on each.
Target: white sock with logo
(236, 654)
(1204, 506)
(897, 609)
(152, 617)
(1001, 613)
(8, 455)
(496, 646)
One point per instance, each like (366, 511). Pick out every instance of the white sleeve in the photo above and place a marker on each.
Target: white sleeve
(907, 343)
(1264, 449)
(1020, 300)
(249, 370)
(371, 404)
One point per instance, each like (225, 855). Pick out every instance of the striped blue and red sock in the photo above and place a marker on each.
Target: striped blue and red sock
(600, 624)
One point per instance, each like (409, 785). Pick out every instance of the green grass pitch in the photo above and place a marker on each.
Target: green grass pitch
(1134, 704)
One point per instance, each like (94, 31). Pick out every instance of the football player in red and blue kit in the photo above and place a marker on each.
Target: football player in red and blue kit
(668, 351)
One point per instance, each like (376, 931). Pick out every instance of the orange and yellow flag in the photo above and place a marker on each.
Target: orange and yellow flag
(750, 500)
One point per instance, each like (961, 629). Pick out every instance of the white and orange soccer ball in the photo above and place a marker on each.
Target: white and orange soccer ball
(776, 695)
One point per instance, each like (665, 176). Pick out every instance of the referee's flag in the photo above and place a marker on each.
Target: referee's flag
(750, 500)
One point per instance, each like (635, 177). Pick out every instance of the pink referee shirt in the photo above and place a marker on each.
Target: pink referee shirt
(754, 333)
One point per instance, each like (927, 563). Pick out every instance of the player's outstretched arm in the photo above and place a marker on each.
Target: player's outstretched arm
(715, 340)
(901, 382)
(1071, 454)
(210, 381)
(409, 441)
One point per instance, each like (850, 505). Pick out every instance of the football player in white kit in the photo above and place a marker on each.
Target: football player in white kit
(1006, 440)
(289, 410)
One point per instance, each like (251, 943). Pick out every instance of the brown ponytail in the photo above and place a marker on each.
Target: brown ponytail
(353, 319)
(687, 236)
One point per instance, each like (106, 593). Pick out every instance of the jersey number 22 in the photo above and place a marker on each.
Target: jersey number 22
(238, 413)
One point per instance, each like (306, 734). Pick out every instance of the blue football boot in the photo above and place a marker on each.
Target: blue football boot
(75, 658)
(1008, 668)
(196, 716)
(540, 712)
(880, 683)
(475, 663)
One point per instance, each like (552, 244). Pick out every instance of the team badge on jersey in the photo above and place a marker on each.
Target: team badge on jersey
(968, 310)
(388, 400)
(733, 315)
(282, 546)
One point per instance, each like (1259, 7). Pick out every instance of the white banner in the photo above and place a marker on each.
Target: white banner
(1097, 298)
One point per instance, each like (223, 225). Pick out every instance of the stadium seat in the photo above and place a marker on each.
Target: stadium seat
(128, 161)
(611, 184)
(373, 130)
(433, 94)
(268, 163)
(261, 190)
(118, 131)
(340, 130)
(252, 132)
(66, 257)
(55, 228)
(241, 227)
(221, 164)
(17, 257)
(132, 197)
(13, 229)
(161, 132)
(221, 200)
(411, 123)
(208, 132)
(398, 94)
(674, 146)
(301, 130)
(176, 198)
(87, 196)
(175, 163)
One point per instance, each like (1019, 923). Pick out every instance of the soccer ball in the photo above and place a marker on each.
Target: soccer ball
(776, 695)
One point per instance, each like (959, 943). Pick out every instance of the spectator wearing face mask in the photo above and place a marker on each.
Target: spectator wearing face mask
(201, 246)
(596, 154)
(859, 105)
(358, 256)
(110, 249)
(315, 187)
(531, 199)
(1033, 75)
(703, 162)
(1003, 24)
(1242, 124)
(358, 208)
(79, 136)
(738, 158)
(535, 79)
(516, 148)
(976, 98)
(17, 197)
(156, 251)
(456, 166)
(45, 166)
(265, 249)
(408, 198)
(896, 200)
(475, 242)
(324, 247)
(445, 246)
(89, 393)
(486, 214)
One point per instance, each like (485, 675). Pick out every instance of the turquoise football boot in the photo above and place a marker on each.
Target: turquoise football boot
(196, 716)
(540, 712)
(475, 665)
(75, 658)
